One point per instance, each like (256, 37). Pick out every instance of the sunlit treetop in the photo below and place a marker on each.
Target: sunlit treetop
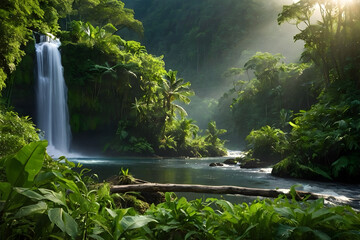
(330, 31)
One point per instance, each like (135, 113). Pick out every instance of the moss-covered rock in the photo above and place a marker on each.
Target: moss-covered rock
(231, 161)
(139, 201)
(128, 200)
(252, 163)
(249, 161)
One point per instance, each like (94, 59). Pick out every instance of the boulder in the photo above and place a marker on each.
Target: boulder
(231, 161)
(216, 164)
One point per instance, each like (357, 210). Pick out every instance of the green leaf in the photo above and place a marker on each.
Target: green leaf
(132, 222)
(101, 221)
(322, 212)
(226, 205)
(39, 207)
(55, 197)
(321, 235)
(189, 234)
(29, 193)
(64, 221)
(5, 189)
(71, 226)
(111, 212)
(26, 164)
(245, 234)
(285, 212)
(55, 216)
(284, 231)
(44, 177)
(168, 196)
(94, 236)
(66, 183)
(294, 125)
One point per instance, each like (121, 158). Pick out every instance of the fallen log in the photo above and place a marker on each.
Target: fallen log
(156, 187)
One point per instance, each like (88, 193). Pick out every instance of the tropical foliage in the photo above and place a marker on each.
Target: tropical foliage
(43, 198)
(324, 140)
(15, 132)
(18, 19)
(266, 143)
(118, 90)
(326, 137)
(269, 98)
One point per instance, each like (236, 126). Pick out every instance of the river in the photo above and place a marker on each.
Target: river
(198, 171)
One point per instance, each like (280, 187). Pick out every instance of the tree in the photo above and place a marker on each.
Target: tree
(214, 143)
(331, 41)
(185, 131)
(17, 21)
(175, 89)
(103, 12)
(266, 68)
(276, 87)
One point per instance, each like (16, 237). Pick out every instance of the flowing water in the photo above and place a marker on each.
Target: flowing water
(197, 171)
(51, 96)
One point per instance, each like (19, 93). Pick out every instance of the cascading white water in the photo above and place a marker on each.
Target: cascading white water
(51, 95)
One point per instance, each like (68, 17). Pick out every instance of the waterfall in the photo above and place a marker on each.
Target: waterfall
(51, 95)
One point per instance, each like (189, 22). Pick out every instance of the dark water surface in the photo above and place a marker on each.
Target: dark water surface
(197, 171)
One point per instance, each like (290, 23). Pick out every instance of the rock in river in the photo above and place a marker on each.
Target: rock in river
(216, 164)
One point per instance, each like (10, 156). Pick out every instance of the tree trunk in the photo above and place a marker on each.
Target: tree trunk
(156, 187)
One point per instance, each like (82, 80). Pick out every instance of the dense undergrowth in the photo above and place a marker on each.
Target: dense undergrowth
(46, 199)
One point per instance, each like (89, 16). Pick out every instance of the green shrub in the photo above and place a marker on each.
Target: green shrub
(266, 143)
(15, 132)
(328, 135)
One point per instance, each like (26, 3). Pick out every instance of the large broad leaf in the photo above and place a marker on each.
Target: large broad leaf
(39, 207)
(55, 216)
(132, 222)
(66, 183)
(226, 205)
(56, 197)
(284, 231)
(29, 193)
(64, 221)
(26, 164)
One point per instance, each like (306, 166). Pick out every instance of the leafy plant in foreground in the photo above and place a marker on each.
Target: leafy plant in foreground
(45, 199)
(42, 198)
(262, 219)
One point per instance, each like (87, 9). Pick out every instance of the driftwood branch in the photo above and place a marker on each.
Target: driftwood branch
(156, 187)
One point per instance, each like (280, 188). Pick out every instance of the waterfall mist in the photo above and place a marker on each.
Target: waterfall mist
(51, 96)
